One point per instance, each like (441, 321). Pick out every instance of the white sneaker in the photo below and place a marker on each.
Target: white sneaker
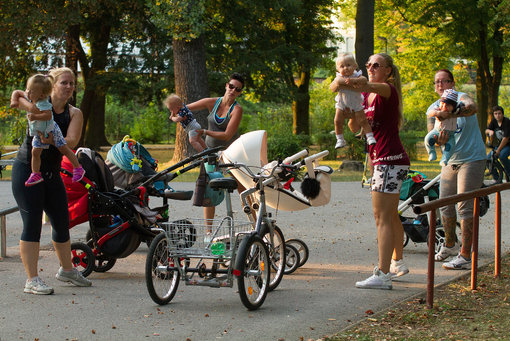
(379, 280)
(398, 268)
(340, 143)
(458, 263)
(73, 276)
(37, 287)
(445, 252)
(371, 140)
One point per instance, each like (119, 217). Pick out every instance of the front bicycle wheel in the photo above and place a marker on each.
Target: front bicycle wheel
(276, 254)
(495, 169)
(252, 271)
(161, 276)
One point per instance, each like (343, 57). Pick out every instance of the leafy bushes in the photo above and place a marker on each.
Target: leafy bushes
(148, 124)
(151, 125)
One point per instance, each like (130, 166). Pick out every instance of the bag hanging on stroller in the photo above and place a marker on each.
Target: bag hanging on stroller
(205, 195)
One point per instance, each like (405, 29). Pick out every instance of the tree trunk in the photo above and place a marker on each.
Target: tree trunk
(93, 103)
(72, 51)
(482, 97)
(364, 44)
(487, 85)
(301, 105)
(191, 85)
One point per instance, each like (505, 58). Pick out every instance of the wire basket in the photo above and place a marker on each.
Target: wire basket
(209, 238)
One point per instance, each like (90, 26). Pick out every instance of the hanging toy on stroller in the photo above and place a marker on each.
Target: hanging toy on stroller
(131, 163)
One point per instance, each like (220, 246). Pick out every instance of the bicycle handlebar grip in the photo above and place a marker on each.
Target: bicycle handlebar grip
(296, 156)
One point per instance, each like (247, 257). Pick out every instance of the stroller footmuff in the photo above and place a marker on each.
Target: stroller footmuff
(131, 164)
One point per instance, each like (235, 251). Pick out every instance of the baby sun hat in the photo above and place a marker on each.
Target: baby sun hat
(449, 97)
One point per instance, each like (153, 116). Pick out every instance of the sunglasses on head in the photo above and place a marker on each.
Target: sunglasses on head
(373, 65)
(232, 86)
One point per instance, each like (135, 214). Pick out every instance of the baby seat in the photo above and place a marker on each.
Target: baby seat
(251, 149)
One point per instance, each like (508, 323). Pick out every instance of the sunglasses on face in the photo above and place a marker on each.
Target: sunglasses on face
(375, 66)
(232, 86)
(442, 81)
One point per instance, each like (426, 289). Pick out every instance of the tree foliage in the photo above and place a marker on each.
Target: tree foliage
(99, 34)
(460, 35)
(276, 43)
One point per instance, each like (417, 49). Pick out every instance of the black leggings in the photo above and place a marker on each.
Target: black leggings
(49, 196)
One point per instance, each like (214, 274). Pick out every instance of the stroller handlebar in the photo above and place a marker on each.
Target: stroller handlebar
(296, 156)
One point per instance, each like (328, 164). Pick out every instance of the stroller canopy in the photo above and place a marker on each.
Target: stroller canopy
(251, 150)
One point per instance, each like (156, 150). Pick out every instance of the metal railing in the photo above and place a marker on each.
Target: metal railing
(3, 229)
(476, 194)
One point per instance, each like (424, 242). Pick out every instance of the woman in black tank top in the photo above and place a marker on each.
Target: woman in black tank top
(50, 195)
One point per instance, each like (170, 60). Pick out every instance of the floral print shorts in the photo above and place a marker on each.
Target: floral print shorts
(388, 178)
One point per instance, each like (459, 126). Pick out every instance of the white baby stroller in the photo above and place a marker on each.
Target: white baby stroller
(315, 190)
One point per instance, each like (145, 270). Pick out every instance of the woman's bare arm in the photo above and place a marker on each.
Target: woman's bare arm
(75, 127)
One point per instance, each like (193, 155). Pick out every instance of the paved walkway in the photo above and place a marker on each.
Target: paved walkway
(318, 299)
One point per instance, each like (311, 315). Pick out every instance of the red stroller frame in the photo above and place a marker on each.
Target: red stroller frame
(119, 219)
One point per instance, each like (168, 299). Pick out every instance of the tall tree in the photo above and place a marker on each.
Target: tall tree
(186, 26)
(364, 44)
(91, 32)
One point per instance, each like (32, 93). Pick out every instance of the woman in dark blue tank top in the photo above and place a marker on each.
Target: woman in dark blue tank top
(50, 195)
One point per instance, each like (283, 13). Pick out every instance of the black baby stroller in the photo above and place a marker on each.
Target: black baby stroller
(119, 219)
(416, 190)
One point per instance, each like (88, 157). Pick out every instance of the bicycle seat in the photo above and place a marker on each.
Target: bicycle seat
(229, 184)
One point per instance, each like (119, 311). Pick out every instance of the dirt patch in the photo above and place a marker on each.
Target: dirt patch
(459, 313)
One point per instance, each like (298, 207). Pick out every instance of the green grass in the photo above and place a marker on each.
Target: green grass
(430, 169)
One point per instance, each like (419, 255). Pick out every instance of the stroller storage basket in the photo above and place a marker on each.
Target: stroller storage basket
(204, 238)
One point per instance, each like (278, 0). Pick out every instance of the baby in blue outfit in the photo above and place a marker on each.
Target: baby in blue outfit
(179, 112)
(38, 91)
(448, 103)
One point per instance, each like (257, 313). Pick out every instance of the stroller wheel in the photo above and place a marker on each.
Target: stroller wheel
(83, 258)
(406, 239)
(102, 263)
(440, 237)
(292, 259)
(301, 247)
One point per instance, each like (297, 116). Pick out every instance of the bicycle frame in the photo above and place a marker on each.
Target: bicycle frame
(500, 171)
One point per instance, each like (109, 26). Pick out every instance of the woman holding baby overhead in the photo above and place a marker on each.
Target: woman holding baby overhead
(383, 109)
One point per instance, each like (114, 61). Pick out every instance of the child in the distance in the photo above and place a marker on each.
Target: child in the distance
(347, 74)
(38, 91)
(180, 113)
(448, 103)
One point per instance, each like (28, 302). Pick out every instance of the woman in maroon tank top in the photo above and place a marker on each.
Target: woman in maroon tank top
(383, 109)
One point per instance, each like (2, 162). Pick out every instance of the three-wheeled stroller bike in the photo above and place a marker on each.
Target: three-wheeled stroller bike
(224, 251)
